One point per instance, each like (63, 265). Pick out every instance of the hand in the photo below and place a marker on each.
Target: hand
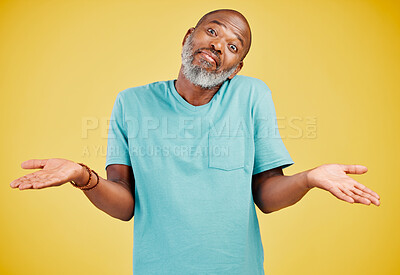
(333, 178)
(54, 172)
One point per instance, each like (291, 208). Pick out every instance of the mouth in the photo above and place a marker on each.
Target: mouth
(210, 57)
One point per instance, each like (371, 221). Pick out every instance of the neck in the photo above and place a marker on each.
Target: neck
(193, 94)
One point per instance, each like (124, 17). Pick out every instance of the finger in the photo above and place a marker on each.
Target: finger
(366, 189)
(361, 199)
(355, 197)
(33, 184)
(36, 175)
(340, 195)
(47, 182)
(34, 163)
(354, 169)
(366, 195)
(16, 183)
(24, 186)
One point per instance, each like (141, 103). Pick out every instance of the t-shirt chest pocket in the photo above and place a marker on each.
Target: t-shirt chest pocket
(226, 152)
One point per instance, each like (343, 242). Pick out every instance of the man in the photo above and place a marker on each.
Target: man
(190, 158)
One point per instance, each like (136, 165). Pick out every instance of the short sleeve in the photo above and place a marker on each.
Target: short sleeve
(270, 152)
(117, 143)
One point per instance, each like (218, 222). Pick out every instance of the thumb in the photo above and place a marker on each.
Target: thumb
(354, 169)
(34, 163)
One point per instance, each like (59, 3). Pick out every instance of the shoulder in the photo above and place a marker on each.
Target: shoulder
(249, 87)
(143, 90)
(134, 99)
(250, 83)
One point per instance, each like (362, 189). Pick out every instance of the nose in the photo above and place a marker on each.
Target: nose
(216, 45)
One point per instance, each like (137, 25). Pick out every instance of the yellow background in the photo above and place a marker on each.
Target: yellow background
(63, 62)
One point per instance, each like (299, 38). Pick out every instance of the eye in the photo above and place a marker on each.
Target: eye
(233, 48)
(212, 31)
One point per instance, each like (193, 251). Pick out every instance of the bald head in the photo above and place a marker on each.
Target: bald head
(236, 17)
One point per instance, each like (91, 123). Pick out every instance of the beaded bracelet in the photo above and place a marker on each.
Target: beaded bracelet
(87, 185)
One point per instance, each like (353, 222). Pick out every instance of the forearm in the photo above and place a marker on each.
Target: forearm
(111, 197)
(280, 191)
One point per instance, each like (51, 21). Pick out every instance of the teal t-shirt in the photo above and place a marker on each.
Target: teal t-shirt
(193, 166)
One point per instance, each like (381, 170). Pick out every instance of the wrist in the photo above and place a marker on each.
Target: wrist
(85, 182)
(309, 182)
(82, 176)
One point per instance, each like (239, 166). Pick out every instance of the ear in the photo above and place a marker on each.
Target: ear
(237, 70)
(187, 34)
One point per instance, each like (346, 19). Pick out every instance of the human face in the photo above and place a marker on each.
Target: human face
(220, 41)
(199, 75)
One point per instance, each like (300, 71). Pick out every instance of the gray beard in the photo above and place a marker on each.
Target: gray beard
(199, 76)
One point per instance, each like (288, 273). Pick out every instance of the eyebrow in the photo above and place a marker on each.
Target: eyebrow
(223, 25)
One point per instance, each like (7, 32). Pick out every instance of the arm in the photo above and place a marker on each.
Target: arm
(114, 196)
(273, 191)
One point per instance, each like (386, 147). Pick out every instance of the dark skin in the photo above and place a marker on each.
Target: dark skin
(230, 39)
(115, 195)
(228, 35)
(224, 39)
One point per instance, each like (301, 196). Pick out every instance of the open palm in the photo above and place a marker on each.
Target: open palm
(334, 178)
(54, 172)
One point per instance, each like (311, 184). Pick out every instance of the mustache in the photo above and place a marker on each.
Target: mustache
(214, 52)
